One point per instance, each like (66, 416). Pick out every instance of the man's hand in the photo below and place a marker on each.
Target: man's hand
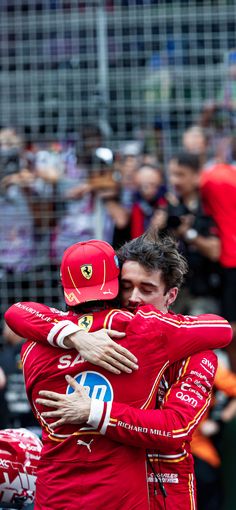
(73, 408)
(99, 348)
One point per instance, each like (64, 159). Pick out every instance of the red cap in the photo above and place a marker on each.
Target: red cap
(89, 272)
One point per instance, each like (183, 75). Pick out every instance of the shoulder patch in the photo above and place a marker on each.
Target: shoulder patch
(85, 322)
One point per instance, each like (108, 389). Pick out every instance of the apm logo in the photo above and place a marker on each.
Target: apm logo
(96, 385)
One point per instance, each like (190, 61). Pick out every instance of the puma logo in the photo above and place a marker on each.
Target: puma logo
(83, 443)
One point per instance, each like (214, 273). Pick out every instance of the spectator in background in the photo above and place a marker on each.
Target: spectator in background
(23, 247)
(219, 133)
(71, 170)
(74, 207)
(115, 188)
(218, 188)
(195, 141)
(197, 235)
(84, 184)
(211, 146)
(150, 204)
(154, 139)
(89, 140)
(120, 204)
(227, 95)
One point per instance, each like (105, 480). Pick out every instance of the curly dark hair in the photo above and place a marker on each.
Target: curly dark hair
(156, 253)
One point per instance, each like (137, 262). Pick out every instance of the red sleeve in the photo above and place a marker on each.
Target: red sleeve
(40, 323)
(43, 324)
(181, 335)
(184, 335)
(167, 428)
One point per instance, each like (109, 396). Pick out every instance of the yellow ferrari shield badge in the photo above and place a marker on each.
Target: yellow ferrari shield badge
(87, 271)
(85, 322)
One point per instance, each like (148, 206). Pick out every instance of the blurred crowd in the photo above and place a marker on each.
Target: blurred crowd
(55, 194)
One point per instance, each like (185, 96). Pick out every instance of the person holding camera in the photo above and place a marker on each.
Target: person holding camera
(23, 246)
(197, 235)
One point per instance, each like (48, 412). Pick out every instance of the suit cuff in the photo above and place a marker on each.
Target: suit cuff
(99, 415)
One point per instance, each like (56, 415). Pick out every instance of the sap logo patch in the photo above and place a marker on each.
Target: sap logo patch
(96, 385)
(86, 322)
(87, 271)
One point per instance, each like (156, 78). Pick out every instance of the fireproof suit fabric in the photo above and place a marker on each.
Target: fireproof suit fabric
(184, 396)
(188, 395)
(183, 335)
(74, 465)
(176, 326)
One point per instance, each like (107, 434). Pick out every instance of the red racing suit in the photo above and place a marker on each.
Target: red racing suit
(189, 386)
(184, 396)
(116, 481)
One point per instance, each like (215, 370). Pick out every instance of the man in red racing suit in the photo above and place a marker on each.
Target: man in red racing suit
(44, 368)
(147, 330)
(38, 370)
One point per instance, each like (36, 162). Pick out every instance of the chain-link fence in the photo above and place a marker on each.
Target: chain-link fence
(76, 75)
(136, 69)
(129, 65)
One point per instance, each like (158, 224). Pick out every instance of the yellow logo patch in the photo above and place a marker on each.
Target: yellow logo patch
(87, 271)
(86, 322)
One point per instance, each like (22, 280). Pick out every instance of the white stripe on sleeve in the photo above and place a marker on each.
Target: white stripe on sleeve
(64, 328)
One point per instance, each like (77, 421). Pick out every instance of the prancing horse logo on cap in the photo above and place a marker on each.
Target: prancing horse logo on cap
(87, 271)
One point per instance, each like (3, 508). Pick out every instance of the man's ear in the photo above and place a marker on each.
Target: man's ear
(171, 296)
